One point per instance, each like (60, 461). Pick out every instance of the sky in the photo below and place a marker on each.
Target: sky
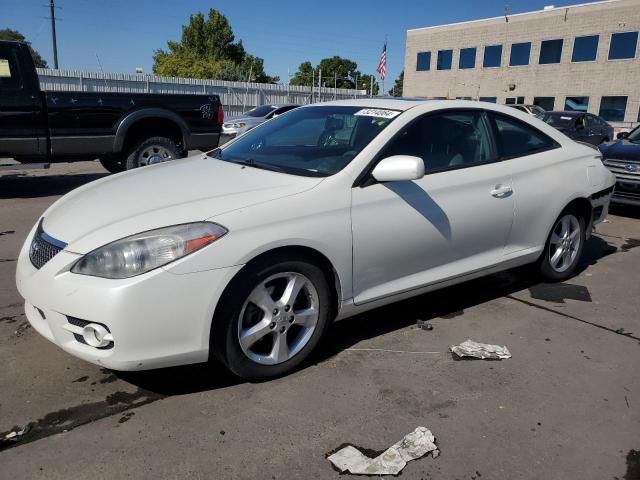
(120, 35)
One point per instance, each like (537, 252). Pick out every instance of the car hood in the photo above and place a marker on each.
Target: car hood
(170, 193)
(621, 150)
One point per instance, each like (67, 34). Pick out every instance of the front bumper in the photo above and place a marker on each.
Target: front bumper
(158, 319)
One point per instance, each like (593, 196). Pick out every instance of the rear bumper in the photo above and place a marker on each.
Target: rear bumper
(204, 141)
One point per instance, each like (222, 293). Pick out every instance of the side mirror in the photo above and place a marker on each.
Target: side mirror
(622, 135)
(398, 168)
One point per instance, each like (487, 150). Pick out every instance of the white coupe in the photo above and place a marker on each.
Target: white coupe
(249, 252)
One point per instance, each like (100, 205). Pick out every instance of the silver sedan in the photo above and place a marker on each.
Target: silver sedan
(237, 125)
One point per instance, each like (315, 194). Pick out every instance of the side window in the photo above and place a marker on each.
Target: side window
(446, 140)
(517, 139)
(8, 69)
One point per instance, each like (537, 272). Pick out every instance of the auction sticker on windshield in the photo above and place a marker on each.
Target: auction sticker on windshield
(377, 112)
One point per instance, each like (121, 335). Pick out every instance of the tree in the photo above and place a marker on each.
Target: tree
(338, 71)
(396, 91)
(208, 49)
(304, 76)
(8, 34)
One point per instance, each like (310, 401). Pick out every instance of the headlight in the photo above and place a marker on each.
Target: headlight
(145, 251)
(234, 125)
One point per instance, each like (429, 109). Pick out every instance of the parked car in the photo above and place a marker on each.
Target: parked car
(581, 126)
(124, 130)
(530, 109)
(237, 125)
(249, 252)
(623, 158)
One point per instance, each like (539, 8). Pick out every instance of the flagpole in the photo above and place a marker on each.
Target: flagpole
(386, 56)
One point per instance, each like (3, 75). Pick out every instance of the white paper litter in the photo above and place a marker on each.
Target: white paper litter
(390, 462)
(469, 348)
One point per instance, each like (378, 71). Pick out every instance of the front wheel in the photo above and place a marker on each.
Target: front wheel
(271, 319)
(563, 248)
(113, 164)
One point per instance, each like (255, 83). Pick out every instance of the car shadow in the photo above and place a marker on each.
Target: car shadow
(446, 303)
(628, 211)
(22, 185)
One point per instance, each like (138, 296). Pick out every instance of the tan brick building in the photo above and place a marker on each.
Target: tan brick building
(582, 57)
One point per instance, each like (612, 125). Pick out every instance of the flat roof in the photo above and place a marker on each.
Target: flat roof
(544, 10)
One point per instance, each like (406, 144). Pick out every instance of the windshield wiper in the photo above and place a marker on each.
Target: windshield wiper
(252, 162)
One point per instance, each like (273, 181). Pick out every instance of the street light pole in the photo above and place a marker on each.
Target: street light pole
(53, 34)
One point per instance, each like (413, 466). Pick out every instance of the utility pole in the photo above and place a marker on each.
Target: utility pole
(53, 34)
(335, 85)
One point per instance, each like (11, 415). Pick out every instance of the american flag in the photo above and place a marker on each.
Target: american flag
(382, 64)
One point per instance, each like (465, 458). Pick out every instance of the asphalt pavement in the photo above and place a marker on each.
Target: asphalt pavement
(566, 406)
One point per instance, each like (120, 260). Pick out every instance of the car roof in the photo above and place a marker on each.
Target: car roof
(280, 105)
(404, 104)
(567, 113)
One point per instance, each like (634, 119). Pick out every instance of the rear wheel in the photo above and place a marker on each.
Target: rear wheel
(564, 247)
(271, 319)
(151, 151)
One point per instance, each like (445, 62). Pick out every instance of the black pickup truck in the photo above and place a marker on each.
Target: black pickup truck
(123, 130)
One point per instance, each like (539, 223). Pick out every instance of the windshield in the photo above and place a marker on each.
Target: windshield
(634, 135)
(556, 119)
(310, 141)
(262, 111)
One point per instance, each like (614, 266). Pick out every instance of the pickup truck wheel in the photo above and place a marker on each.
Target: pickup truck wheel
(113, 164)
(151, 151)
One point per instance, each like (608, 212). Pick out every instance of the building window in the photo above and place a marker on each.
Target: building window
(520, 53)
(493, 100)
(444, 59)
(514, 101)
(623, 45)
(585, 49)
(492, 56)
(467, 58)
(545, 103)
(550, 51)
(613, 109)
(578, 104)
(423, 63)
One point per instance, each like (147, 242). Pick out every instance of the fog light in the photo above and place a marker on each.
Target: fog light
(96, 335)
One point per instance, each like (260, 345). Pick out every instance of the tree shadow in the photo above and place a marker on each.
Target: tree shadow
(22, 185)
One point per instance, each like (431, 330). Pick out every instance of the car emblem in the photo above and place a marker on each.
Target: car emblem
(632, 168)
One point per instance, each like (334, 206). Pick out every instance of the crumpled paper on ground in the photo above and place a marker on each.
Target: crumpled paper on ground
(390, 462)
(469, 348)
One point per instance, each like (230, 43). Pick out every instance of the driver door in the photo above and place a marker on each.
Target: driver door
(453, 221)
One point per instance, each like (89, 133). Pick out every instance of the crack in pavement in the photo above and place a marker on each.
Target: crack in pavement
(619, 331)
(67, 419)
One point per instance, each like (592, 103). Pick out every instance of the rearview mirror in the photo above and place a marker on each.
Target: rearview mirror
(398, 168)
(622, 135)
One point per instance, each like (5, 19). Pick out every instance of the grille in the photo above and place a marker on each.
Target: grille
(43, 248)
(624, 169)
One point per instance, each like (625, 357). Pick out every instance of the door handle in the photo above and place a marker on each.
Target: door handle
(501, 191)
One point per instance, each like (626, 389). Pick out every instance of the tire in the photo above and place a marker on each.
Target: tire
(113, 164)
(568, 229)
(266, 329)
(151, 151)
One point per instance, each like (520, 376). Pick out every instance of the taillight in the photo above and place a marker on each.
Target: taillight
(220, 115)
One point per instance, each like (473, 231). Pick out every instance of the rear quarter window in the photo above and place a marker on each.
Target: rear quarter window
(518, 139)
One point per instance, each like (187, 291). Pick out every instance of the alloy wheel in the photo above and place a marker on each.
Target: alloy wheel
(564, 243)
(278, 318)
